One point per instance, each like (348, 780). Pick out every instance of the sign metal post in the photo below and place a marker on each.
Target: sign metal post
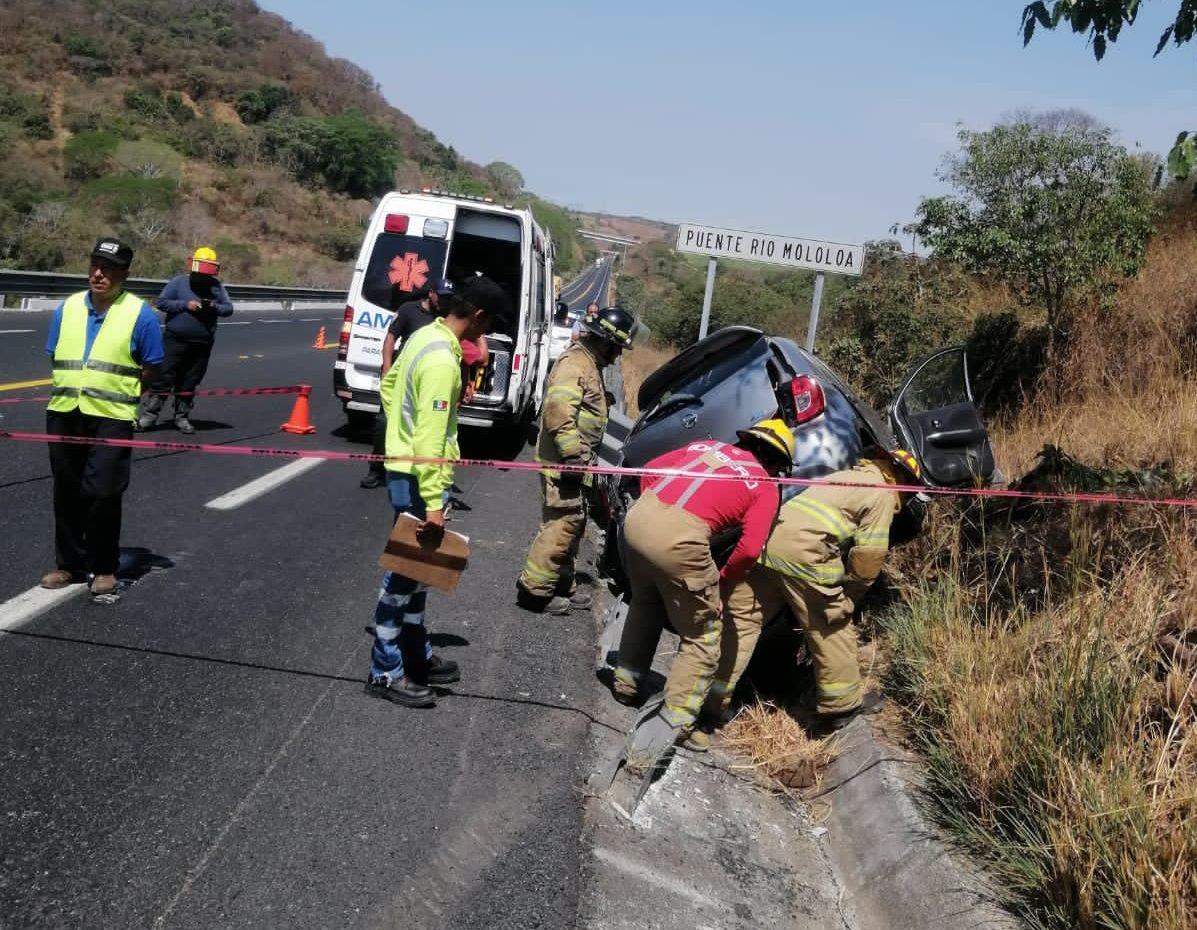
(706, 299)
(813, 324)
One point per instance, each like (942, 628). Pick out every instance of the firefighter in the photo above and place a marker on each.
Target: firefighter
(827, 548)
(571, 430)
(672, 573)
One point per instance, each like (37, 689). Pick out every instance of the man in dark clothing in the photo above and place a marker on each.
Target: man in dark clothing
(409, 317)
(104, 343)
(192, 304)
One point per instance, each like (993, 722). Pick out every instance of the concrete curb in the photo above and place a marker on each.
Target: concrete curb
(896, 870)
(709, 850)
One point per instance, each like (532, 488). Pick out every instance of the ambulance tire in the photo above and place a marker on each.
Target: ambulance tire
(359, 421)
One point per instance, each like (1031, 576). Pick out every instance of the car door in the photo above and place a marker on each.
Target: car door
(934, 417)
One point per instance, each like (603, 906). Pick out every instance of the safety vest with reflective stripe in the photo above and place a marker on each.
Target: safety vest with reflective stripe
(419, 396)
(833, 534)
(574, 414)
(108, 383)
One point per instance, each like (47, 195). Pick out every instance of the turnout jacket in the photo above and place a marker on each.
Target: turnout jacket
(574, 417)
(833, 536)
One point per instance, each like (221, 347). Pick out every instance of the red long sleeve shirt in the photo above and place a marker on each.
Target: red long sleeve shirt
(721, 504)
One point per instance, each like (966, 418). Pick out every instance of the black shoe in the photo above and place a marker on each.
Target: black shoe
(437, 671)
(373, 480)
(529, 601)
(403, 691)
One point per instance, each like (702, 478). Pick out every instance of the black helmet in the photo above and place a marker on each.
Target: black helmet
(615, 325)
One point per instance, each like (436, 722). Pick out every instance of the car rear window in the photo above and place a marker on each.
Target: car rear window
(402, 267)
(714, 370)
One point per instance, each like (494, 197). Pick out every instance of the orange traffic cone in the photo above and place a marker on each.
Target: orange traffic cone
(300, 422)
(320, 343)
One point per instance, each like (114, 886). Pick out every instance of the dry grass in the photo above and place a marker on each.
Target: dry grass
(637, 365)
(777, 747)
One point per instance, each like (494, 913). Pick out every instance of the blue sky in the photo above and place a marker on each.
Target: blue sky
(825, 120)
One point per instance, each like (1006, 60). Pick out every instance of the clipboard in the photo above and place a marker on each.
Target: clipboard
(438, 567)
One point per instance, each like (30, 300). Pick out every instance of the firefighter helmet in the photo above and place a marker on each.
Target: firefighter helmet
(204, 261)
(615, 325)
(773, 433)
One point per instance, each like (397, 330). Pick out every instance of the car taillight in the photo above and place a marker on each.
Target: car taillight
(346, 329)
(809, 401)
(515, 362)
(395, 223)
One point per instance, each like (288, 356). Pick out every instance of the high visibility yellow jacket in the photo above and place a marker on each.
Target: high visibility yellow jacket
(835, 537)
(574, 417)
(419, 395)
(108, 384)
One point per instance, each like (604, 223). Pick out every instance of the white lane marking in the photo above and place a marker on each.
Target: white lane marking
(276, 321)
(314, 319)
(239, 323)
(19, 610)
(14, 331)
(260, 486)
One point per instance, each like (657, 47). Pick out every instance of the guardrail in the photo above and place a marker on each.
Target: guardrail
(50, 284)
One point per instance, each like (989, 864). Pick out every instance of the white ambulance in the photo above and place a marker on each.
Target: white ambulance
(413, 239)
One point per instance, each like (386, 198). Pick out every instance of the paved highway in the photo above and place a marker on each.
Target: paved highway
(201, 754)
(591, 284)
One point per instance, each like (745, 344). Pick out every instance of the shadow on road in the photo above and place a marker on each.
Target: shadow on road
(303, 673)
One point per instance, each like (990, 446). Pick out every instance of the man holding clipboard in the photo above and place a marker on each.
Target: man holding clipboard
(420, 395)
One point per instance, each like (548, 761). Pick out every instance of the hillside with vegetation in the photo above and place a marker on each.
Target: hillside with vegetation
(175, 124)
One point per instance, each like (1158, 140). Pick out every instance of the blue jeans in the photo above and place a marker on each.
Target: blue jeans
(399, 617)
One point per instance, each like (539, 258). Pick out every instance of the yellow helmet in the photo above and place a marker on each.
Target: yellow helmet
(899, 466)
(204, 261)
(774, 433)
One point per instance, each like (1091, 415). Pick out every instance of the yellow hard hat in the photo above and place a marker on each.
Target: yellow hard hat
(774, 432)
(204, 260)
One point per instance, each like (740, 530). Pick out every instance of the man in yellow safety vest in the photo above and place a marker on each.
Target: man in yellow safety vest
(105, 344)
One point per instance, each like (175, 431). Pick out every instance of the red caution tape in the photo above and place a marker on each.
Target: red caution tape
(333, 455)
(203, 392)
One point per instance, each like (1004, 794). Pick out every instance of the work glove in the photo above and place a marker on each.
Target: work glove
(571, 481)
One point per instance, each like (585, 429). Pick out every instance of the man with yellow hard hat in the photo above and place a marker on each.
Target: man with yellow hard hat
(672, 573)
(193, 303)
(825, 551)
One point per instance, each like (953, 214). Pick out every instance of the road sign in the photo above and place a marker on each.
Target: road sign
(806, 254)
(803, 254)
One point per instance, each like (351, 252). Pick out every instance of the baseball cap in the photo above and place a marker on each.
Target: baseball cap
(443, 286)
(113, 250)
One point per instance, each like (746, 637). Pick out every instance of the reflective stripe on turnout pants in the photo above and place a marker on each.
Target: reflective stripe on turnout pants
(671, 574)
(825, 616)
(549, 568)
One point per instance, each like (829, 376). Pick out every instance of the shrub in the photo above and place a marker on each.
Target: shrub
(341, 242)
(89, 155)
(127, 194)
(37, 125)
(211, 141)
(239, 261)
(264, 102)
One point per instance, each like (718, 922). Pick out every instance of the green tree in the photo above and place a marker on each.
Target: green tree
(265, 101)
(506, 178)
(1050, 207)
(1102, 21)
